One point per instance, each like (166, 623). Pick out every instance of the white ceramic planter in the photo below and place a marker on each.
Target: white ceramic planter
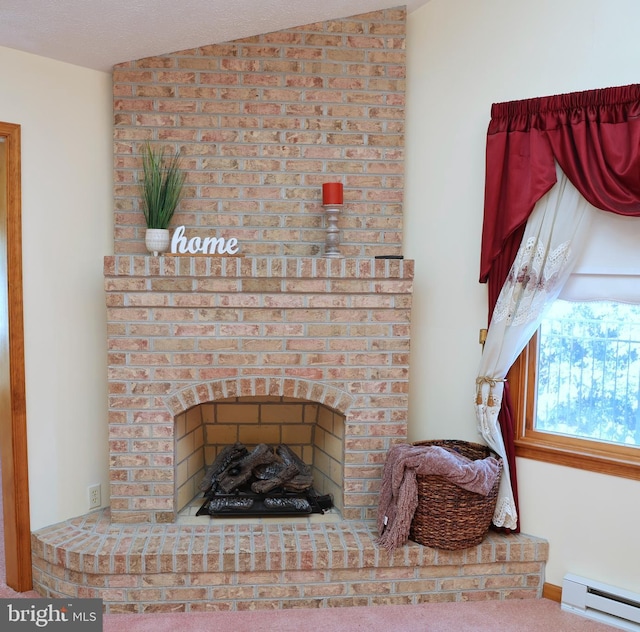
(157, 240)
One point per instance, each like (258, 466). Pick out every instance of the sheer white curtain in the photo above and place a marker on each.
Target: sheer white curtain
(554, 237)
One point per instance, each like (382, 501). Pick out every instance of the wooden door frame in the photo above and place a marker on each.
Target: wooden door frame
(13, 411)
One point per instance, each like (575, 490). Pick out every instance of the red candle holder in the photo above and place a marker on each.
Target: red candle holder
(332, 199)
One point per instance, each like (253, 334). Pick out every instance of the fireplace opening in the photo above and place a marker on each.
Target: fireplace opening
(265, 481)
(250, 445)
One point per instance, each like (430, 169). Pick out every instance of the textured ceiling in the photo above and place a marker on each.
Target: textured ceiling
(101, 33)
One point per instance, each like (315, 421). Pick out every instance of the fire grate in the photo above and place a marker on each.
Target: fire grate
(250, 504)
(266, 481)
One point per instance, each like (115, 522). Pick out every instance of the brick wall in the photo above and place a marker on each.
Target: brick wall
(262, 122)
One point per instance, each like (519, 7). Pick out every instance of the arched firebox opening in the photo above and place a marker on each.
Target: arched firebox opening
(297, 419)
(309, 429)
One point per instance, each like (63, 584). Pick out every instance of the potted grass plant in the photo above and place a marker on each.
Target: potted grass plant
(161, 190)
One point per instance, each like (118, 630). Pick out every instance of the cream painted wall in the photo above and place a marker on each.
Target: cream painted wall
(464, 55)
(65, 113)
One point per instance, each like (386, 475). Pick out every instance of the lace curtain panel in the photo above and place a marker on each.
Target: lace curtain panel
(553, 238)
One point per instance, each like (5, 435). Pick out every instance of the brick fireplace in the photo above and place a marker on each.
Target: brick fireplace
(261, 123)
(193, 332)
(277, 344)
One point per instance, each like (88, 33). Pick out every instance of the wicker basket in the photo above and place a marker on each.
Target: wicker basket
(447, 516)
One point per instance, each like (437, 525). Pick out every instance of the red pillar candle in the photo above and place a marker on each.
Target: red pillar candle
(331, 193)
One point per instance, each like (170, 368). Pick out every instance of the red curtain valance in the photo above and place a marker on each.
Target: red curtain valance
(595, 138)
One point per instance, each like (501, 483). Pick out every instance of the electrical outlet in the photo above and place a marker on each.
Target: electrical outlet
(95, 497)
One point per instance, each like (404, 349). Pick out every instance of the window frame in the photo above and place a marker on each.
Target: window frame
(584, 454)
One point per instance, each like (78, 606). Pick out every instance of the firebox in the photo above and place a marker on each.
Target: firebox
(295, 430)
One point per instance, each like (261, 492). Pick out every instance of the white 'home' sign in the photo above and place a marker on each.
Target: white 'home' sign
(206, 245)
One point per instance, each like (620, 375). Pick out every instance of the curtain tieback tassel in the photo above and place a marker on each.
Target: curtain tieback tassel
(491, 381)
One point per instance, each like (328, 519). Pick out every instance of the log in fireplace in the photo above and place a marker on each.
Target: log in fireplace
(264, 481)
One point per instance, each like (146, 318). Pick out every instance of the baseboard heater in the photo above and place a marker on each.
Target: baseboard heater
(614, 606)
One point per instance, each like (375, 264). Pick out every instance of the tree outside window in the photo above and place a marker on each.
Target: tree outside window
(576, 388)
(589, 372)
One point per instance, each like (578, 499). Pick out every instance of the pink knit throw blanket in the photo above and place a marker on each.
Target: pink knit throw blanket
(399, 492)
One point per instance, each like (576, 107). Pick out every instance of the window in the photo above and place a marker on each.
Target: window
(576, 388)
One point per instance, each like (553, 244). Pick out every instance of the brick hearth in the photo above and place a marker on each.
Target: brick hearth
(177, 568)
